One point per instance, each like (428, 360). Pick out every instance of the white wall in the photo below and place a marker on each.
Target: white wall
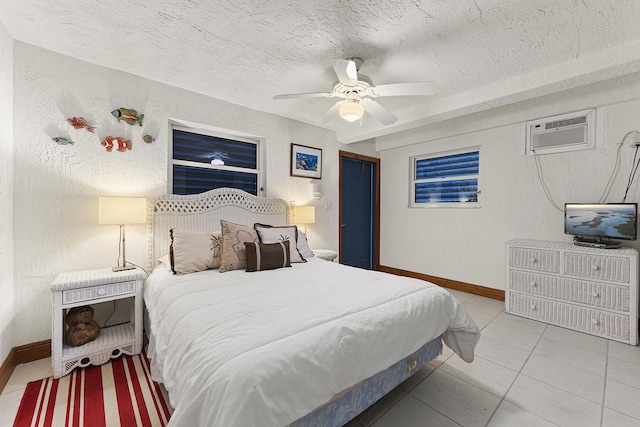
(57, 187)
(468, 244)
(6, 192)
(365, 148)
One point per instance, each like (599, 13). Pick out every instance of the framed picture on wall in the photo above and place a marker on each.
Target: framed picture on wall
(306, 162)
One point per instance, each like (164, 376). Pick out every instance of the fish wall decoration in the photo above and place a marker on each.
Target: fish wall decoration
(128, 115)
(148, 139)
(120, 143)
(81, 123)
(63, 141)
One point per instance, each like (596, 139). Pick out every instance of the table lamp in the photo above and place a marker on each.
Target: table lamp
(121, 211)
(305, 215)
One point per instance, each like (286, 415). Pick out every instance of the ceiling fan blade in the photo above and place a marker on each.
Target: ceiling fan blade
(380, 113)
(331, 113)
(404, 89)
(304, 95)
(346, 71)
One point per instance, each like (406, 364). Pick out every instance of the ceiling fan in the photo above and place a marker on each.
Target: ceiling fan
(358, 93)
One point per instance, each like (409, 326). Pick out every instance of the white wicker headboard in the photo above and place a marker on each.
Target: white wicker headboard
(203, 212)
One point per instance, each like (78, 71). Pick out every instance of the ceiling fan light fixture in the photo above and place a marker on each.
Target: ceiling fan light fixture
(351, 111)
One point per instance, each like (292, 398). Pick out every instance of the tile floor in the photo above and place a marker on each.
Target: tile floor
(525, 373)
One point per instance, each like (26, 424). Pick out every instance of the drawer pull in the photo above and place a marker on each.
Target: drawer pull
(533, 307)
(101, 291)
(595, 294)
(594, 267)
(532, 260)
(594, 321)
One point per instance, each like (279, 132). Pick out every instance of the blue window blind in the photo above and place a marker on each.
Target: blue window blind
(204, 148)
(191, 180)
(450, 178)
(448, 166)
(202, 162)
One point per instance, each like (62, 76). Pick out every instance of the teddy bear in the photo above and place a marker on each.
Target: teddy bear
(81, 326)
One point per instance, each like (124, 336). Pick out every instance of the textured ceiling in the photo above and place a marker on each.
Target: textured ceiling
(479, 54)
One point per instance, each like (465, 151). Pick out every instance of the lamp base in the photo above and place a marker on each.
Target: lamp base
(124, 268)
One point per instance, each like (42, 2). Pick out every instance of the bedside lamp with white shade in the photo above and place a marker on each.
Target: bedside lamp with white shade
(305, 215)
(121, 211)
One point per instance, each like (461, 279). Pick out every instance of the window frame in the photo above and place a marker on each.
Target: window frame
(216, 133)
(439, 205)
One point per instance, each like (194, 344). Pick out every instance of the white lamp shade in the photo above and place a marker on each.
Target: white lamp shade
(122, 210)
(351, 111)
(305, 214)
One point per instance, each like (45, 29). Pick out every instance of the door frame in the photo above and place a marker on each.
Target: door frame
(376, 196)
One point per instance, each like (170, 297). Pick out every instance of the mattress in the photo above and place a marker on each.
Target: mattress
(267, 348)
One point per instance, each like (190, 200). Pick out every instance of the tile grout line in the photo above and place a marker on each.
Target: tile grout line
(408, 394)
(467, 382)
(431, 407)
(604, 387)
(519, 372)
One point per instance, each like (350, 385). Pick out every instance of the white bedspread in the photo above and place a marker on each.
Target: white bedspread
(266, 348)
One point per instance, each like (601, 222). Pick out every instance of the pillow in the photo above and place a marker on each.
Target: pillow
(192, 251)
(271, 234)
(303, 246)
(267, 256)
(301, 242)
(234, 254)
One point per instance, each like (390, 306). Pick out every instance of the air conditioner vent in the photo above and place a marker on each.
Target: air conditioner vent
(563, 123)
(567, 132)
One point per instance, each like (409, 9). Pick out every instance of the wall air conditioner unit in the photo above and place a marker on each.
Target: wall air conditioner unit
(567, 132)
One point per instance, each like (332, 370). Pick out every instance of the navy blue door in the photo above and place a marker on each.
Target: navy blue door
(358, 212)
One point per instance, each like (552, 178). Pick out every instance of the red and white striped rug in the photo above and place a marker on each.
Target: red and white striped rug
(118, 393)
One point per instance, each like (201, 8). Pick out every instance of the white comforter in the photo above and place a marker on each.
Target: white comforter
(266, 348)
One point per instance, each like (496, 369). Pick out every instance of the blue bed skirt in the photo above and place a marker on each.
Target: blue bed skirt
(346, 407)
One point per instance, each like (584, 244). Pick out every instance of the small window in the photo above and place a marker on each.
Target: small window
(449, 179)
(202, 161)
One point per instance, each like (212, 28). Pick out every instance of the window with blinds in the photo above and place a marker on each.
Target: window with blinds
(202, 161)
(446, 179)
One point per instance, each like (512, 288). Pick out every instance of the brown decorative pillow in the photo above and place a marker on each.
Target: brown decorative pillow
(234, 236)
(267, 256)
(192, 251)
(271, 234)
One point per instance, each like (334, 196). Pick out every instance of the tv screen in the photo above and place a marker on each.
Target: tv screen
(611, 220)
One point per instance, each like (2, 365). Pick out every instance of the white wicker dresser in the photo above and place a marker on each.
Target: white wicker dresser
(586, 289)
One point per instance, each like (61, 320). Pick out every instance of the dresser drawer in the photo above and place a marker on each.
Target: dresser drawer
(96, 292)
(534, 259)
(584, 319)
(597, 267)
(597, 294)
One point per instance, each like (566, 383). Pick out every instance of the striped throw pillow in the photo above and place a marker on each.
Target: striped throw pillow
(267, 256)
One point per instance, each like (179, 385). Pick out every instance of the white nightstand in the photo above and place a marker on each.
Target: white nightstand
(90, 287)
(325, 254)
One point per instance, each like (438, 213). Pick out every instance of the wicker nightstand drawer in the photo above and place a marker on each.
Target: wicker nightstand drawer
(96, 292)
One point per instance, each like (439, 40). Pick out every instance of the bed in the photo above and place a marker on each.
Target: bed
(313, 344)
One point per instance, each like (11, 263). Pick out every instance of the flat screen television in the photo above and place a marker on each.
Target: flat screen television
(601, 225)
